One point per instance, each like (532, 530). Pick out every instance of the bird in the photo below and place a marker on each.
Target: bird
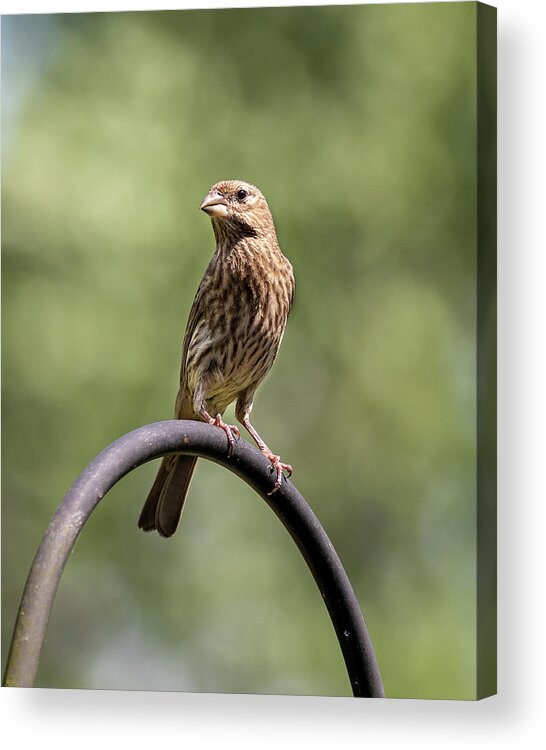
(234, 330)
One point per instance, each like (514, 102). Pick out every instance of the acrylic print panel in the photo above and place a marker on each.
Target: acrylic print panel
(371, 131)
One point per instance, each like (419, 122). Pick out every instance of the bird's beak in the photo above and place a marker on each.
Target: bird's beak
(214, 204)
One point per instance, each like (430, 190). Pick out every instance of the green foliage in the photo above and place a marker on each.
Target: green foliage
(358, 123)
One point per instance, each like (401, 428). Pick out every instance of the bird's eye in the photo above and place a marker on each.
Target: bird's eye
(241, 194)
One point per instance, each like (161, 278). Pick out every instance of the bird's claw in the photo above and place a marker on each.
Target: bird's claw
(230, 430)
(279, 467)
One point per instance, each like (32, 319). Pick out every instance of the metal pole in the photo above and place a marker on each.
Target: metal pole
(199, 439)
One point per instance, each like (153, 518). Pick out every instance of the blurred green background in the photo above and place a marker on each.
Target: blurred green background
(359, 125)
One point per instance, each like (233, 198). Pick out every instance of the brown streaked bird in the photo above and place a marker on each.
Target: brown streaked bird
(234, 330)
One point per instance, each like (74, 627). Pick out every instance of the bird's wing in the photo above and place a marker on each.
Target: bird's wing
(195, 319)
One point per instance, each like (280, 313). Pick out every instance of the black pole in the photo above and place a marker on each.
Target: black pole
(199, 439)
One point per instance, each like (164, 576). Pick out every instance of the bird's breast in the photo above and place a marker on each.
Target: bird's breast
(245, 310)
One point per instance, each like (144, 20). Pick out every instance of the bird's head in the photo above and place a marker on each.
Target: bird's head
(238, 207)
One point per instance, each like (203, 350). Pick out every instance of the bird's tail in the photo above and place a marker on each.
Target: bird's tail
(164, 505)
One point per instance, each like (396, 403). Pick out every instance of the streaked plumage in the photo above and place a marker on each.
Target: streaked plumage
(234, 330)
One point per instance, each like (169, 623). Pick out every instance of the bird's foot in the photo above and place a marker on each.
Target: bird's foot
(279, 467)
(229, 429)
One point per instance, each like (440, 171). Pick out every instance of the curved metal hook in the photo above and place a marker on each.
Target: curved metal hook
(195, 438)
